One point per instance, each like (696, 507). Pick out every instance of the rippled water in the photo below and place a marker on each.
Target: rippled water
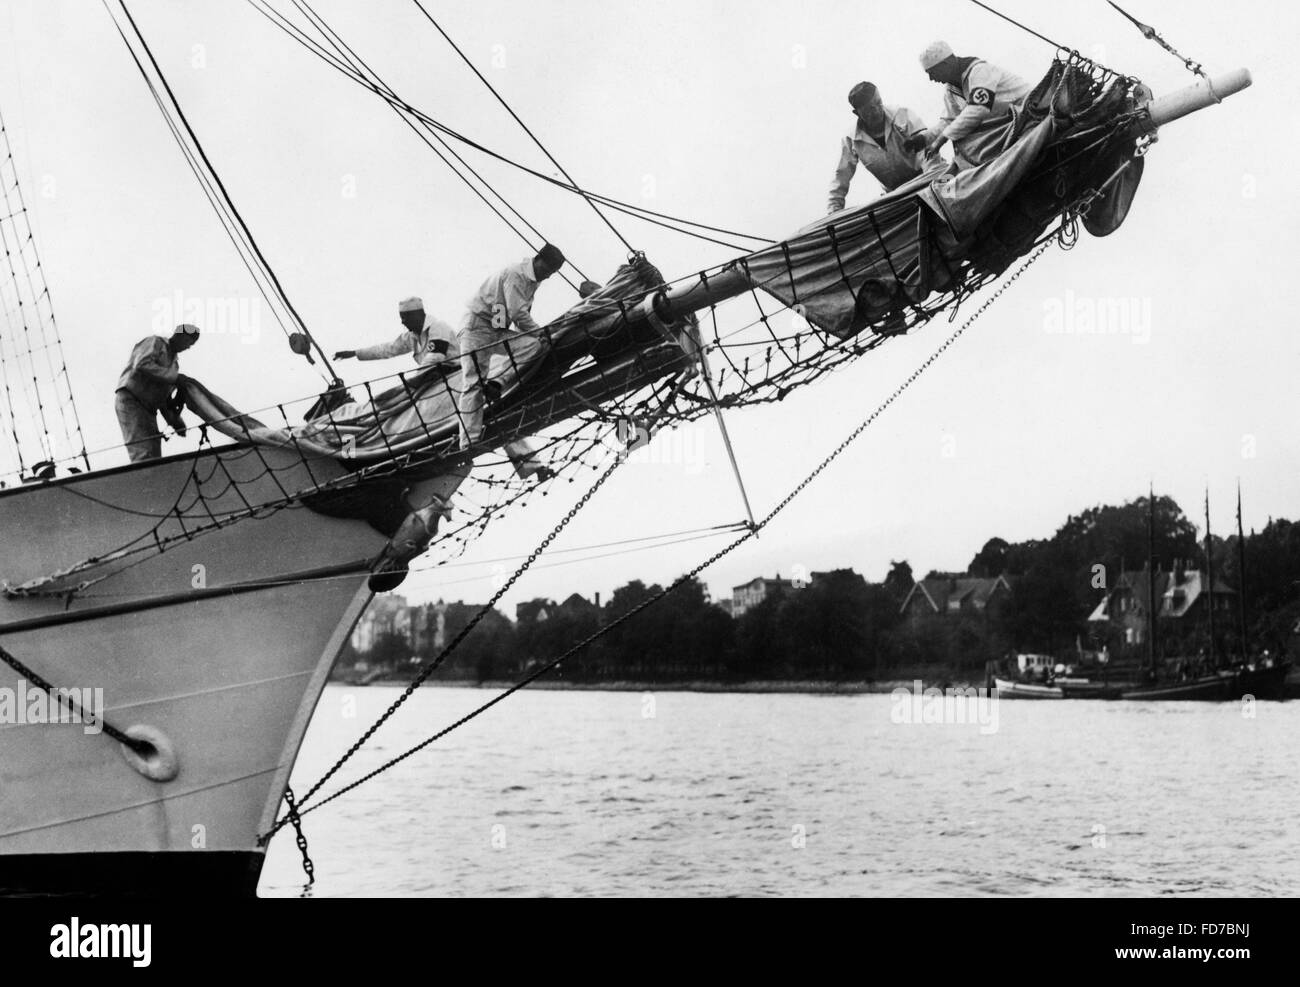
(675, 793)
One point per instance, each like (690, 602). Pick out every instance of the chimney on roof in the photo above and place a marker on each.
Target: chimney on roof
(597, 599)
(1180, 571)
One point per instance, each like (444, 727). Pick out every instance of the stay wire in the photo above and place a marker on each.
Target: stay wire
(205, 185)
(234, 210)
(211, 194)
(636, 212)
(372, 80)
(1150, 33)
(1029, 30)
(501, 99)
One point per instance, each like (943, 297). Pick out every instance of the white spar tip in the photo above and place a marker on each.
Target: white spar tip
(1197, 97)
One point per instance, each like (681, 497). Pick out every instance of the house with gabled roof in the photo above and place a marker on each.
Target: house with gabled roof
(538, 609)
(578, 605)
(950, 596)
(1181, 595)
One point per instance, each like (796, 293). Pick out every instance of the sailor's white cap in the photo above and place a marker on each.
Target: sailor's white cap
(935, 54)
(412, 304)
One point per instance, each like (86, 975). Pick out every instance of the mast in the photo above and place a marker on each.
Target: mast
(1209, 573)
(1241, 578)
(1151, 577)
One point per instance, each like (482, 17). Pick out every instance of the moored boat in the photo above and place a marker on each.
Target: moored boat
(1217, 686)
(1082, 687)
(1011, 689)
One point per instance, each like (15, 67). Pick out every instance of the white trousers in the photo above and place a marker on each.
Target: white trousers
(487, 353)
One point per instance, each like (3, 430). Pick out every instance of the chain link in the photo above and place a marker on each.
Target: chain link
(308, 867)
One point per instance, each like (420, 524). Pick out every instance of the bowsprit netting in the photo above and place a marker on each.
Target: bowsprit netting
(38, 417)
(643, 353)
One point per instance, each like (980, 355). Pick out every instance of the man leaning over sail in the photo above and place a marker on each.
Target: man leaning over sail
(145, 389)
(979, 100)
(499, 336)
(880, 143)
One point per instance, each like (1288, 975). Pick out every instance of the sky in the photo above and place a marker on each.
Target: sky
(729, 113)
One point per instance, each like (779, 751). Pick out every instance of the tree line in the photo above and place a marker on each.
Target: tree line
(840, 626)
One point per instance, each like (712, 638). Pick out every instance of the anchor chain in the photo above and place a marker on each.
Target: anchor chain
(141, 747)
(309, 868)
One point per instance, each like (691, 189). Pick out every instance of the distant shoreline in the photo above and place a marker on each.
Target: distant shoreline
(630, 685)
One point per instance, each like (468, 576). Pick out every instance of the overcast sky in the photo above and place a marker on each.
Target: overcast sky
(730, 113)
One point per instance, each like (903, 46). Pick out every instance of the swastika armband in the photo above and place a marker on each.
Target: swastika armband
(981, 96)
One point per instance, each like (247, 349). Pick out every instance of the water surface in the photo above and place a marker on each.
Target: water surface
(674, 793)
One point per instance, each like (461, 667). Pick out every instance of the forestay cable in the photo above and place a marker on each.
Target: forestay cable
(638, 212)
(501, 99)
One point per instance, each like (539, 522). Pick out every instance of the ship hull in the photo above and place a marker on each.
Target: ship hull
(1206, 688)
(217, 647)
(1265, 682)
(1009, 689)
(1088, 689)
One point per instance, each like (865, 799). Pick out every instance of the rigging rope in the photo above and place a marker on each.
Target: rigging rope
(637, 212)
(37, 289)
(502, 101)
(212, 172)
(1029, 30)
(713, 529)
(750, 532)
(723, 530)
(1150, 34)
(1074, 53)
(213, 198)
(372, 80)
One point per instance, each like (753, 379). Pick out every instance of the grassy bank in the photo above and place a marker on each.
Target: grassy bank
(931, 678)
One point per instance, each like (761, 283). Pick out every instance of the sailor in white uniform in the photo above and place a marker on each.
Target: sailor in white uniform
(425, 338)
(879, 143)
(979, 100)
(431, 342)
